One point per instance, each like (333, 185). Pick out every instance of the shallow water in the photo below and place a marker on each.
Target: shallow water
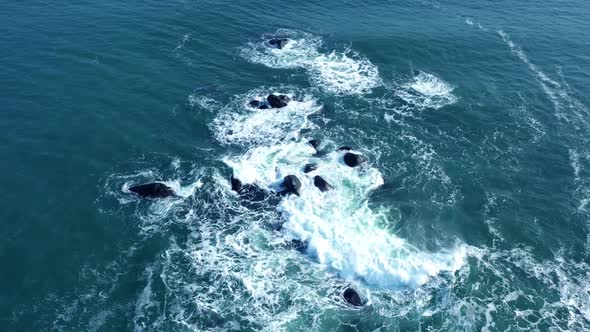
(471, 212)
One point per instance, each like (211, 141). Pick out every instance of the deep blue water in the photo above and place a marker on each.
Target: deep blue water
(471, 212)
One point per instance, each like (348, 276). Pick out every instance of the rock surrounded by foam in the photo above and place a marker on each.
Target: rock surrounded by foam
(152, 190)
(351, 296)
(242, 123)
(278, 42)
(353, 159)
(277, 101)
(321, 184)
(331, 225)
(344, 72)
(292, 184)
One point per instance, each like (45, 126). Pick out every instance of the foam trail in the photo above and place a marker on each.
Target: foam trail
(340, 229)
(573, 116)
(549, 86)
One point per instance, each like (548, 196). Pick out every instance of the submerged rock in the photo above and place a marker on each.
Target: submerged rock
(351, 296)
(353, 159)
(263, 106)
(278, 42)
(292, 184)
(321, 184)
(249, 191)
(154, 190)
(254, 103)
(310, 168)
(285, 98)
(278, 101)
(315, 143)
(299, 245)
(344, 148)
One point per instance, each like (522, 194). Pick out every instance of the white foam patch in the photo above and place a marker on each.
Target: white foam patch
(341, 231)
(344, 73)
(153, 213)
(427, 91)
(237, 123)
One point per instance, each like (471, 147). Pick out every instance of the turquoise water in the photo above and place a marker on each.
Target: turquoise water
(470, 214)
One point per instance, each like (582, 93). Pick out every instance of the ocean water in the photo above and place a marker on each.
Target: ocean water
(471, 213)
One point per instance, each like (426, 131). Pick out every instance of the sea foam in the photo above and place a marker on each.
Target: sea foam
(426, 91)
(344, 73)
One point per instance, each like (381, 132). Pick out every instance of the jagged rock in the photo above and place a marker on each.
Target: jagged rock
(321, 184)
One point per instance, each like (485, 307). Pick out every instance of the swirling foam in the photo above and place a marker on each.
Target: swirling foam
(427, 91)
(341, 73)
(345, 73)
(340, 229)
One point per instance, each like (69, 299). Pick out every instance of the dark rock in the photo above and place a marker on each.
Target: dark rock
(310, 168)
(236, 185)
(154, 190)
(292, 184)
(315, 143)
(353, 159)
(276, 101)
(321, 184)
(278, 42)
(344, 148)
(254, 103)
(263, 106)
(352, 297)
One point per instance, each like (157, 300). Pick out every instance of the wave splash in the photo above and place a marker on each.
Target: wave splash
(238, 123)
(339, 228)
